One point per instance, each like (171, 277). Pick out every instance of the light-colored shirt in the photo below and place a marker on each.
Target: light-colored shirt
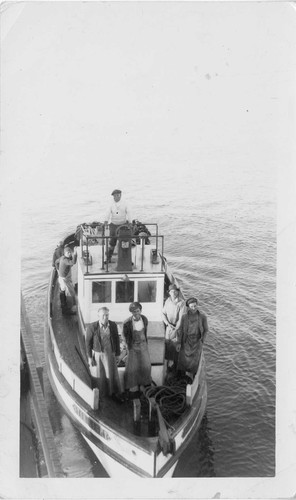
(172, 311)
(65, 264)
(103, 328)
(138, 325)
(118, 213)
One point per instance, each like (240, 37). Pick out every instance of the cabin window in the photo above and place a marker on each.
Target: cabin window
(125, 291)
(147, 291)
(101, 291)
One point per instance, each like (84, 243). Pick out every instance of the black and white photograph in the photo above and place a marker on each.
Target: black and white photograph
(148, 249)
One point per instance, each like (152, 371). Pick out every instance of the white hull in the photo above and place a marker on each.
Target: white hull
(115, 469)
(116, 452)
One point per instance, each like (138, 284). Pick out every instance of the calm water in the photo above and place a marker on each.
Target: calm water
(220, 241)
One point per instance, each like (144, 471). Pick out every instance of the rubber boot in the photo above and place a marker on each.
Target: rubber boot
(63, 300)
(65, 309)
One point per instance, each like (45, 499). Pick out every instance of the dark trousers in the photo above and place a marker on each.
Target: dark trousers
(171, 353)
(113, 228)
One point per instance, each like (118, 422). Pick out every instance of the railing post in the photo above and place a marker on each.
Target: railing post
(87, 254)
(107, 252)
(103, 246)
(142, 254)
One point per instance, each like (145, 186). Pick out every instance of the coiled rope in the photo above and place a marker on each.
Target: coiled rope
(171, 398)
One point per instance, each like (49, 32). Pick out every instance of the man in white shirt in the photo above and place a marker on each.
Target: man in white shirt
(117, 215)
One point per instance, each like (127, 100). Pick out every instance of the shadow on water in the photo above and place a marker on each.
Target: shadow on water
(76, 457)
(198, 461)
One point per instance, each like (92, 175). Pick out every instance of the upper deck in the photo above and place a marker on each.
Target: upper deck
(135, 252)
(136, 272)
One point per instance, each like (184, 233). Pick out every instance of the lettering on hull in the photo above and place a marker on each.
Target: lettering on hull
(91, 423)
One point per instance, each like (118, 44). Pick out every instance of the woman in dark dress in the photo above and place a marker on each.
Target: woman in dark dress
(138, 365)
(191, 335)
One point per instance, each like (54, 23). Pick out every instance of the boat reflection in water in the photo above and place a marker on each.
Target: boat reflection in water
(146, 437)
(199, 460)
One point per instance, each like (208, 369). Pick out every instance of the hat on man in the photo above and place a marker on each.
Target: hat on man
(116, 191)
(173, 287)
(191, 301)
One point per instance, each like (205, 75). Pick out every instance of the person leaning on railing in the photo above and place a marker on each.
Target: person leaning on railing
(63, 266)
(117, 215)
(59, 251)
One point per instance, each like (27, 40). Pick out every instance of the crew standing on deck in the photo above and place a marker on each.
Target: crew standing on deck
(191, 335)
(117, 215)
(173, 309)
(103, 350)
(63, 266)
(138, 365)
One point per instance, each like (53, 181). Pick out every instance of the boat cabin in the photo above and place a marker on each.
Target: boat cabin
(135, 273)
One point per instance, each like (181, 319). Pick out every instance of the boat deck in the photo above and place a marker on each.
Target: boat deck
(72, 349)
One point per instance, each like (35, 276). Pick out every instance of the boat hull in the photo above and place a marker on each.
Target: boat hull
(119, 448)
(116, 452)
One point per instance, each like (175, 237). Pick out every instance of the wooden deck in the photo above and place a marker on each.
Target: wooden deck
(69, 339)
(70, 342)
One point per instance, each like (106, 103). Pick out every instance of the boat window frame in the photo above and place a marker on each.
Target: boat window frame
(141, 280)
(91, 290)
(121, 281)
(136, 280)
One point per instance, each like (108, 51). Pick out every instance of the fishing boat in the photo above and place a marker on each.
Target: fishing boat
(144, 437)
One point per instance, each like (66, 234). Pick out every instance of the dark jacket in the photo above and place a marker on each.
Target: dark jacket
(93, 338)
(128, 330)
(183, 329)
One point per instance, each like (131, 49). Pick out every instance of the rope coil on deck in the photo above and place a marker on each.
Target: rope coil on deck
(171, 398)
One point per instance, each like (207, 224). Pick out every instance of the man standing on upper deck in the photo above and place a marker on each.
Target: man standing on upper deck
(117, 215)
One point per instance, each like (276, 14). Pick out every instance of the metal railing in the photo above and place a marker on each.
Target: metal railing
(88, 236)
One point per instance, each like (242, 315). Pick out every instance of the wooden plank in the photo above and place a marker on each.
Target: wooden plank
(28, 465)
(38, 363)
(45, 432)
